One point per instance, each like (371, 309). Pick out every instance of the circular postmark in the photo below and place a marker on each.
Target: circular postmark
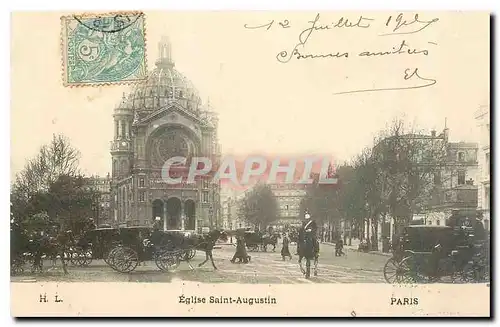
(109, 23)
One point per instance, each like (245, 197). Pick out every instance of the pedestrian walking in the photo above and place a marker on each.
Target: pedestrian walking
(285, 251)
(241, 251)
(339, 246)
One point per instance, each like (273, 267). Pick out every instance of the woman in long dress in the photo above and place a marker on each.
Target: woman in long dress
(285, 252)
(241, 251)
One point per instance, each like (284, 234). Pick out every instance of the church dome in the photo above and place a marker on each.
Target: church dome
(164, 85)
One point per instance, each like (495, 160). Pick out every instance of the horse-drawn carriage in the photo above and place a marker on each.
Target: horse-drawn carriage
(429, 253)
(31, 245)
(139, 244)
(95, 244)
(256, 241)
(166, 248)
(253, 240)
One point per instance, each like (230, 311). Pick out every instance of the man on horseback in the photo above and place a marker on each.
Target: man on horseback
(308, 245)
(309, 227)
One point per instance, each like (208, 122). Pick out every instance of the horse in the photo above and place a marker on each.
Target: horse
(203, 243)
(270, 240)
(306, 249)
(52, 247)
(207, 242)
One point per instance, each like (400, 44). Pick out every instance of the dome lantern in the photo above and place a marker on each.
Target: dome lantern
(164, 53)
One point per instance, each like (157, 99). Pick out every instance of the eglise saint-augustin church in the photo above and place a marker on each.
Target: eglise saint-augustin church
(163, 117)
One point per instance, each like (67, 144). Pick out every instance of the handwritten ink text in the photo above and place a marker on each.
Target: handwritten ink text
(409, 74)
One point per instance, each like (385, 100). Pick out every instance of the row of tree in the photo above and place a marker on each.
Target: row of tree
(397, 177)
(50, 191)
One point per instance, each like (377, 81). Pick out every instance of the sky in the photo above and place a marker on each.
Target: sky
(265, 106)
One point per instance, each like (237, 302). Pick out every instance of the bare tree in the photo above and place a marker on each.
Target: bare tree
(30, 190)
(55, 159)
(396, 177)
(409, 162)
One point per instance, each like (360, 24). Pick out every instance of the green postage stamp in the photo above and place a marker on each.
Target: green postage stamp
(103, 48)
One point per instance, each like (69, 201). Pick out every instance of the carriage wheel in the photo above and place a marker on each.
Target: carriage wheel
(110, 257)
(84, 258)
(486, 274)
(74, 257)
(460, 277)
(397, 271)
(471, 273)
(113, 255)
(125, 260)
(17, 268)
(409, 271)
(167, 260)
(391, 270)
(87, 259)
(78, 259)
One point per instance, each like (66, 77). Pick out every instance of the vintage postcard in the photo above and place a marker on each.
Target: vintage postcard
(321, 164)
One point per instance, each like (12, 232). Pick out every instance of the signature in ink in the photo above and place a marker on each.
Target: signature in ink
(409, 74)
(401, 23)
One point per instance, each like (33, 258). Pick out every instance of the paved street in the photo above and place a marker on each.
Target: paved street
(264, 268)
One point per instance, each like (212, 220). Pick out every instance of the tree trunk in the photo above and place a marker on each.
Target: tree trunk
(368, 233)
(350, 233)
(362, 231)
(345, 234)
(375, 235)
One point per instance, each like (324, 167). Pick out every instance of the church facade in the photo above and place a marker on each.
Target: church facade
(163, 117)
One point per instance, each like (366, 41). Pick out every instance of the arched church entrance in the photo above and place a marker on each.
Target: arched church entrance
(190, 211)
(157, 209)
(173, 213)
